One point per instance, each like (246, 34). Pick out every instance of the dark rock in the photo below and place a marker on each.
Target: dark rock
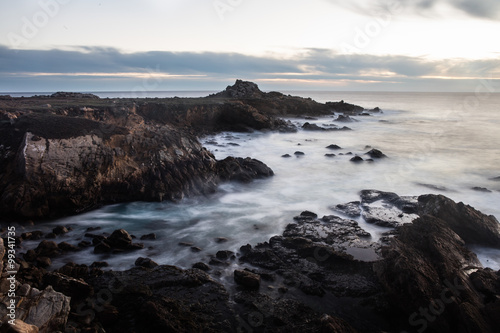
(200, 265)
(221, 240)
(151, 236)
(299, 153)
(245, 248)
(90, 229)
(497, 179)
(43, 262)
(84, 244)
(59, 230)
(195, 249)
(356, 159)
(481, 189)
(345, 119)
(375, 153)
(247, 279)
(50, 235)
(351, 209)
(64, 246)
(102, 247)
(72, 95)
(145, 262)
(330, 155)
(334, 147)
(471, 225)
(243, 170)
(313, 127)
(185, 244)
(225, 255)
(119, 239)
(77, 289)
(47, 249)
(387, 209)
(425, 264)
(99, 264)
(343, 107)
(217, 262)
(286, 156)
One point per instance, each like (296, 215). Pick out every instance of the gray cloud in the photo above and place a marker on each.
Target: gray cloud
(489, 9)
(20, 70)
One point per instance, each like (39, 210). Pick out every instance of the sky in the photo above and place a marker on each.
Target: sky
(161, 45)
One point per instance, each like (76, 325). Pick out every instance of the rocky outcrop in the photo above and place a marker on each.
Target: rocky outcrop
(242, 169)
(72, 95)
(468, 223)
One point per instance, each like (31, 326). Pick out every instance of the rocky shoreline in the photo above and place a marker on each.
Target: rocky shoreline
(68, 153)
(323, 274)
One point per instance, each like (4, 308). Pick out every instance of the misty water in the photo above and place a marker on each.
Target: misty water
(443, 143)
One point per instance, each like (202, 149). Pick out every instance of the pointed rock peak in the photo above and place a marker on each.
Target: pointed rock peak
(242, 89)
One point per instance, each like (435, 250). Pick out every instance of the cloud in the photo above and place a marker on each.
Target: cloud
(94, 69)
(489, 9)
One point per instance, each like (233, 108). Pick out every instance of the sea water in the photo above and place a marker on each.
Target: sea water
(442, 143)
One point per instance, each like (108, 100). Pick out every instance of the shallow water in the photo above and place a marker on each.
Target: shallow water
(439, 140)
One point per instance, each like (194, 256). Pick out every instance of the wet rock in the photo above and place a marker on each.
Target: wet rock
(356, 159)
(346, 108)
(102, 247)
(43, 262)
(47, 249)
(387, 209)
(145, 262)
(59, 230)
(481, 189)
(200, 265)
(245, 248)
(299, 153)
(351, 209)
(166, 299)
(247, 279)
(186, 244)
(375, 153)
(330, 155)
(64, 246)
(90, 229)
(243, 170)
(286, 156)
(313, 127)
(77, 289)
(333, 147)
(345, 119)
(426, 263)
(75, 270)
(220, 240)
(225, 255)
(84, 244)
(50, 235)
(151, 236)
(120, 239)
(195, 249)
(471, 225)
(99, 264)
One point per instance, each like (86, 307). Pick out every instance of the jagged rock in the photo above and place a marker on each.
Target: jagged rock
(345, 119)
(247, 279)
(225, 255)
(470, 224)
(77, 289)
(243, 170)
(387, 209)
(426, 263)
(120, 239)
(18, 326)
(351, 209)
(345, 108)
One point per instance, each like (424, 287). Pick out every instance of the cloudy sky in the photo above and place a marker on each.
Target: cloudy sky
(377, 45)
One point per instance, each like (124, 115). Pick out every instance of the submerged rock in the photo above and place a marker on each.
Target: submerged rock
(375, 153)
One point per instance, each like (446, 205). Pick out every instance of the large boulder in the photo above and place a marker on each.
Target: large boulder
(242, 169)
(471, 225)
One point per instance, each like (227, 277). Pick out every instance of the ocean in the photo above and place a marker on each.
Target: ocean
(442, 143)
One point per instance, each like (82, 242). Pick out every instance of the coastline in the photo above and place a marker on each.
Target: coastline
(281, 284)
